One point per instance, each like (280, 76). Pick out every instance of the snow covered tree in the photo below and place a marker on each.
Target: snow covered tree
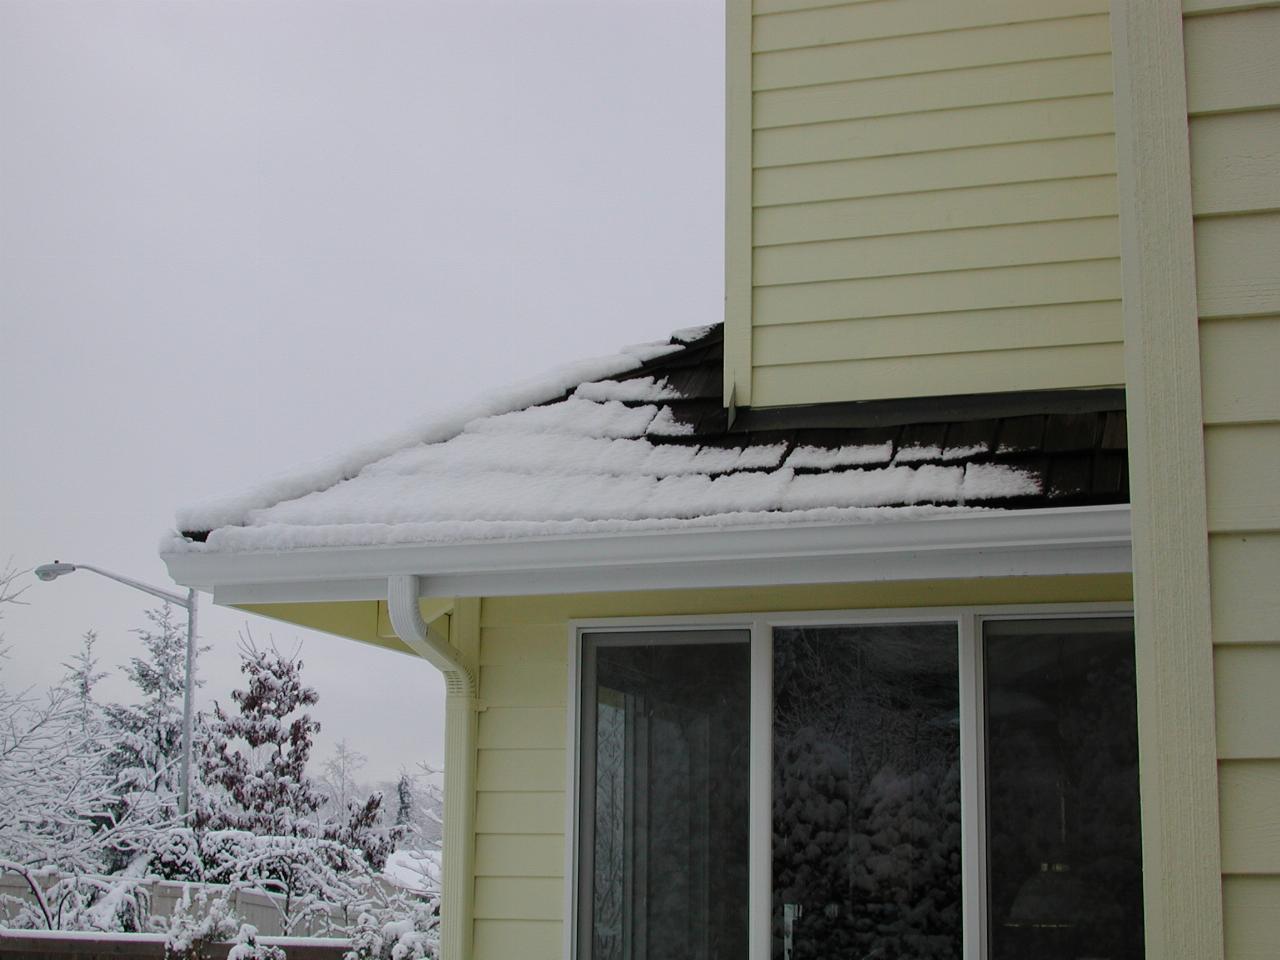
(81, 677)
(339, 775)
(59, 808)
(146, 753)
(349, 820)
(147, 757)
(257, 758)
(404, 801)
(257, 824)
(358, 827)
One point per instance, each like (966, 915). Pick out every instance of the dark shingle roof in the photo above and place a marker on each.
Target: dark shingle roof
(653, 448)
(1073, 443)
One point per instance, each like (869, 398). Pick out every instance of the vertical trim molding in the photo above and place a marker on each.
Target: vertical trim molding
(737, 203)
(1178, 764)
(457, 913)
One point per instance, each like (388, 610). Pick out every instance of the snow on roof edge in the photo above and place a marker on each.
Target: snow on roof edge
(234, 510)
(282, 538)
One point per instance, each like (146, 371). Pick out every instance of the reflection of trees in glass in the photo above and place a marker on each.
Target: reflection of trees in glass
(866, 805)
(609, 862)
(1064, 840)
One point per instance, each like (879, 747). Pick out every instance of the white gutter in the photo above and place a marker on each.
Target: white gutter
(460, 731)
(1072, 540)
(433, 646)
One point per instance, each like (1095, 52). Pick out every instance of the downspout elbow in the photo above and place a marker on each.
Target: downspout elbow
(406, 618)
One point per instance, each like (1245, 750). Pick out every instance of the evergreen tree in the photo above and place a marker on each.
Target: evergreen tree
(81, 677)
(404, 802)
(258, 757)
(258, 822)
(148, 735)
(358, 828)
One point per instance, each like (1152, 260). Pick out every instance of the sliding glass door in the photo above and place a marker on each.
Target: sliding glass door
(924, 789)
(664, 795)
(866, 792)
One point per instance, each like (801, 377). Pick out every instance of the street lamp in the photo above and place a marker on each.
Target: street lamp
(51, 571)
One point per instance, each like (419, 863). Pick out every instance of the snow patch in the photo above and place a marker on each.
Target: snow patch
(637, 389)
(961, 453)
(989, 481)
(692, 334)
(442, 425)
(666, 425)
(826, 458)
(917, 452)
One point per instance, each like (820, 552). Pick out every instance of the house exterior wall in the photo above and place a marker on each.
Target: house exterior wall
(1233, 103)
(522, 760)
(921, 199)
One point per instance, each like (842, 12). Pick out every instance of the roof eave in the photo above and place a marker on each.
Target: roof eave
(997, 543)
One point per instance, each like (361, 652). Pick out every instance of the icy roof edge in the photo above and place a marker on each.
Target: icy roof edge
(322, 474)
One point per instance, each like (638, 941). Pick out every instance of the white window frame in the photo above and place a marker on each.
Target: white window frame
(968, 620)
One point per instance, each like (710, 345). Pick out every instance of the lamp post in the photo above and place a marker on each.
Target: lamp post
(51, 571)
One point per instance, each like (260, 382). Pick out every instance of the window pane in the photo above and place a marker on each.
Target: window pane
(1065, 855)
(866, 792)
(664, 831)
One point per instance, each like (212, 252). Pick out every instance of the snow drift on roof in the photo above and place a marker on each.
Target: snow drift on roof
(234, 510)
(640, 442)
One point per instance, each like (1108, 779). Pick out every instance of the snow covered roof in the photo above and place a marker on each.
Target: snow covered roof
(641, 442)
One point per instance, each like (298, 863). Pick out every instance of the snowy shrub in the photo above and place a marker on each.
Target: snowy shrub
(415, 937)
(247, 946)
(79, 902)
(174, 854)
(194, 926)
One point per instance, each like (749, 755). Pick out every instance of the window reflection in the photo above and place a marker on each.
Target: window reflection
(1065, 856)
(866, 792)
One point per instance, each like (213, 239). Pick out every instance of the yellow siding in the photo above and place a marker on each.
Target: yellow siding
(522, 756)
(1246, 603)
(1235, 162)
(1248, 915)
(531, 939)
(1239, 360)
(1250, 806)
(1233, 96)
(945, 373)
(1246, 679)
(931, 174)
(910, 159)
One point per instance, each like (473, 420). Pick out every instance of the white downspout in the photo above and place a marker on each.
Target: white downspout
(461, 707)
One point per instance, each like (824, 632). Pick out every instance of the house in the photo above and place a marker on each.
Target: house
(927, 607)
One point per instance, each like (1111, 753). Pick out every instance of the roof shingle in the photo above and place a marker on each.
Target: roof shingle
(652, 448)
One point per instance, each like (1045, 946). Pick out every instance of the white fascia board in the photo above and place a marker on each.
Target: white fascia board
(1072, 540)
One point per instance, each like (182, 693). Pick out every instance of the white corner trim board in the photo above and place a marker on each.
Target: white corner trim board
(1075, 540)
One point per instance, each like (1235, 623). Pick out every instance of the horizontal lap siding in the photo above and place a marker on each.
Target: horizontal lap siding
(1233, 97)
(522, 759)
(521, 789)
(918, 158)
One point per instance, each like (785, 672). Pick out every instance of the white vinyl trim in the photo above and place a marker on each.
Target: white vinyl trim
(969, 622)
(973, 791)
(760, 815)
(997, 543)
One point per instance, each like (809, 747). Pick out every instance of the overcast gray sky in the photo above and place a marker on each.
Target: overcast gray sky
(235, 236)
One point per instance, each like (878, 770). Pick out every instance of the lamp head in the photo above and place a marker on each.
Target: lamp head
(51, 571)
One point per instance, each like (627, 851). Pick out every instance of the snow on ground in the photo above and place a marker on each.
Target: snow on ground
(418, 871)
